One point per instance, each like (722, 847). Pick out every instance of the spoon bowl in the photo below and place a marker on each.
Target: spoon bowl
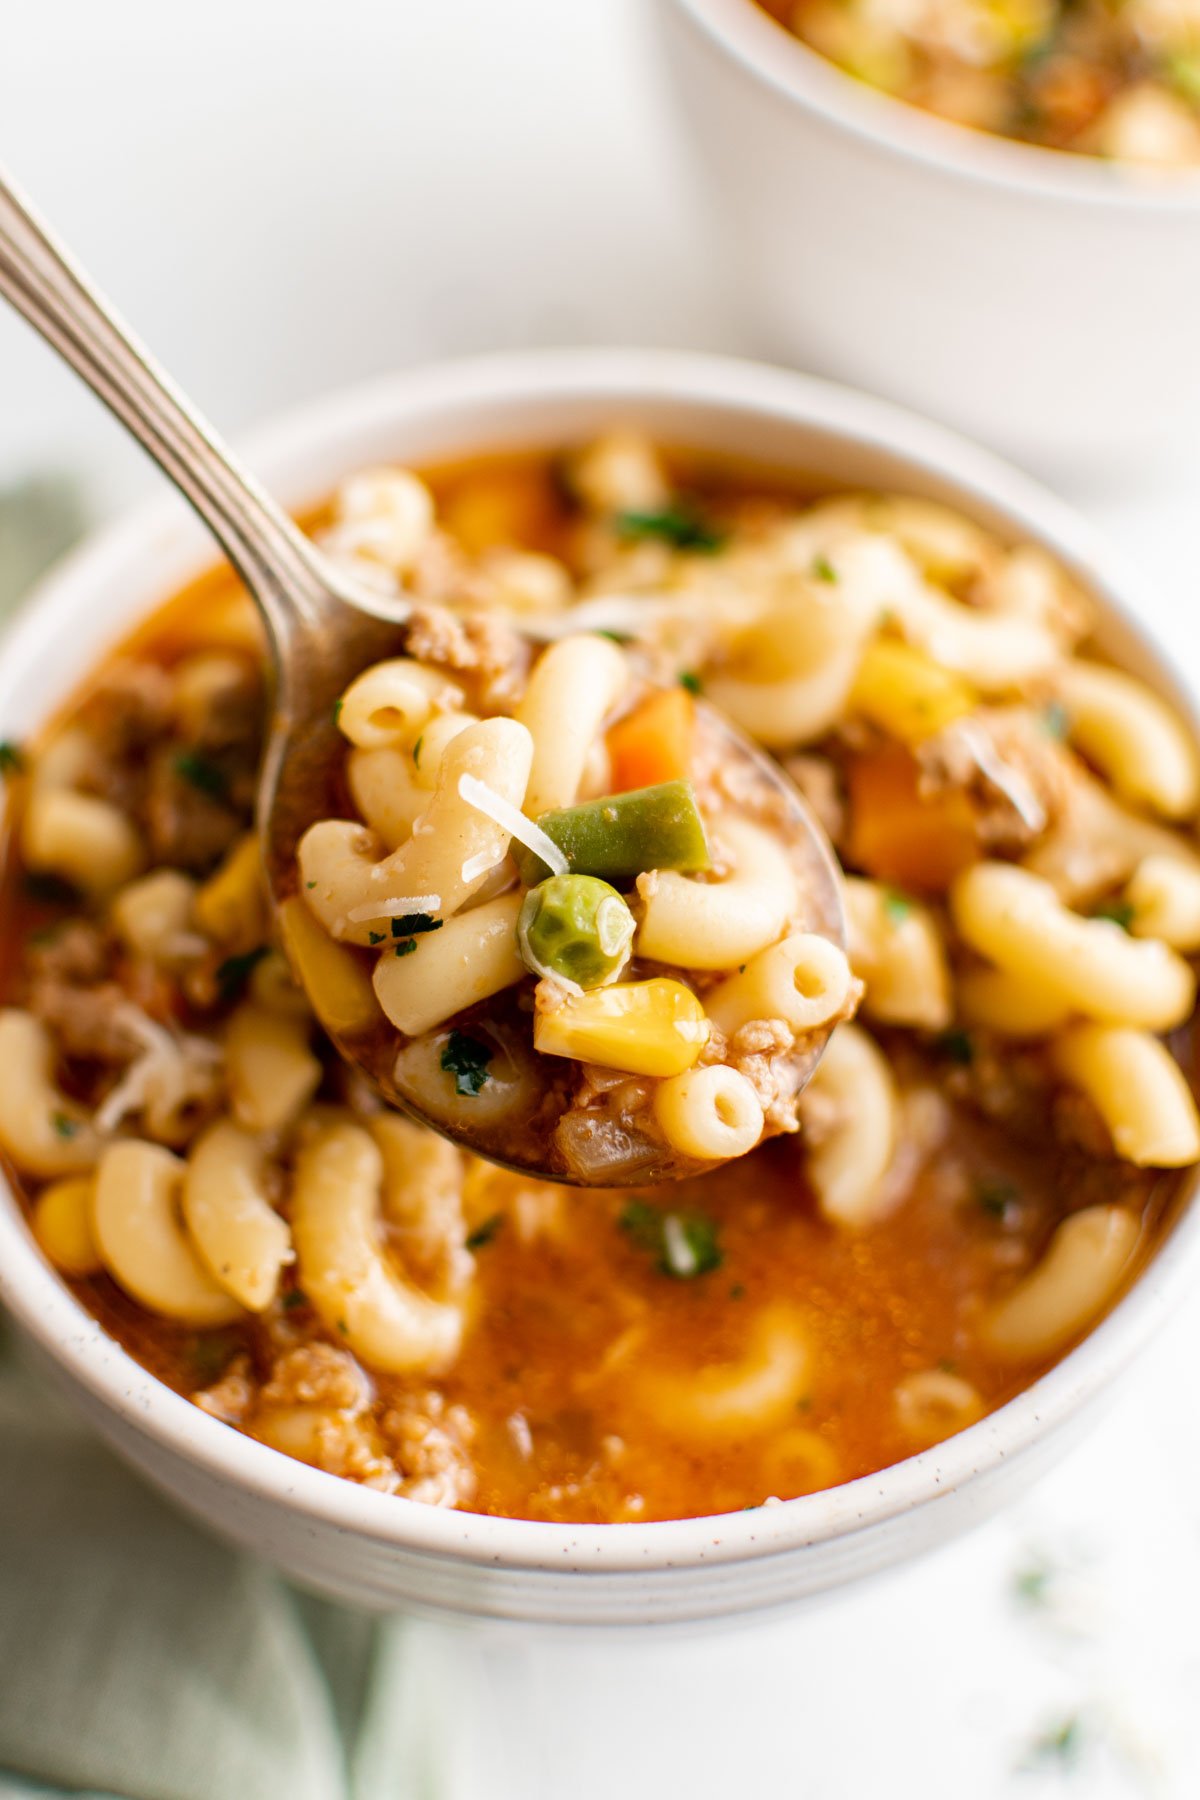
(323, 631)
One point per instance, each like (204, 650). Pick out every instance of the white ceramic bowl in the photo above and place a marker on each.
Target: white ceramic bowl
(1044, 302)
(379, 1551)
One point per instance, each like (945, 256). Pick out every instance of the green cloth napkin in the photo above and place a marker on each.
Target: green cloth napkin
(140, 1659)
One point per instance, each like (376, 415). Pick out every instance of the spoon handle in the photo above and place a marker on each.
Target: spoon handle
(55, 296)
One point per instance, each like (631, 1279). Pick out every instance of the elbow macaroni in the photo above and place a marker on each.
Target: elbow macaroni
(1019, 922)
(87, 841)
(897, 950)
(815, 636)
(1138, 1089)
(804, 980)
(232, 1223)
(344, 1268)
(1012, 1005)
(726, 1401)
(342, 874)
(1075, 1280)
(1164, 892)
(471, 958)
(574, 685)
(43, 1131)
(270, 1069)
(390, 702)
(848, 1167)
(711, 1113)
(1132, 736)
(142, 1241)
(716, 925)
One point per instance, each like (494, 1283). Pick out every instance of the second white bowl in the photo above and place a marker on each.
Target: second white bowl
(1044, 302)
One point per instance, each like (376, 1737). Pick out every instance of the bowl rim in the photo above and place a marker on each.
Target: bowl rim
(48, 1312)
(766, 50)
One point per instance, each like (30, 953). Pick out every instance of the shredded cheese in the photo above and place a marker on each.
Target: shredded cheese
(395, 909)
(174, 1069)
(494, 806)
(482, 864)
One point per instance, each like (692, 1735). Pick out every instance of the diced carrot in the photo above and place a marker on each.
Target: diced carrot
(900, 835)
(653, 743)
(499, 506)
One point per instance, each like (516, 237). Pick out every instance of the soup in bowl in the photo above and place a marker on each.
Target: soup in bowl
(1120, 81)
(410, 1375)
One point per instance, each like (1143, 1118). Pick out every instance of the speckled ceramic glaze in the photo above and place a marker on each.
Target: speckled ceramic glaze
(384, 1552)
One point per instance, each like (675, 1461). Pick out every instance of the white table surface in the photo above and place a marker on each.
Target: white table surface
(287, 196)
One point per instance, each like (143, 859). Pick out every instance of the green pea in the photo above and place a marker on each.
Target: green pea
(575, 926)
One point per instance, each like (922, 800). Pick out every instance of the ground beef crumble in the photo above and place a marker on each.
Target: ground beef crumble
(316, 1375)
(475, 645)
(429, 1439)
(71, 991)
(1009, 768)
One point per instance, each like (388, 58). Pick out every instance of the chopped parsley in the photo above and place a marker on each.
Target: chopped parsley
(200, 772)
(1056, 721)
(466, 1059)
(294, 1299)
(679, 525)
(417, 751)
(1031, 1585)
(337, 710)
(410, 924)
(684, 1244)
(823, 569)
(235, 972)
(896, 905)
(485, 1232)
(12, 757)
(614, 637)
(405, 947)
(310, 884)
(64, 1127)
(996, 1196)
(1059, 1746)
(690, 681)
(956, 1046)
(1117, 912)
(343, 1327)
(377, 937)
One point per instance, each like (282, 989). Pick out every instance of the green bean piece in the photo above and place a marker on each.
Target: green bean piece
(622, 835)
(576, 927)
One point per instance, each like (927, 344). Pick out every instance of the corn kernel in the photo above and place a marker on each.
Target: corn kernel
(62, 1225)
(644, 1027)
(231, 906)
(905, 693)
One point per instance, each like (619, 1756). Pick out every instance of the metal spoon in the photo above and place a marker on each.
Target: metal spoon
(322, 632)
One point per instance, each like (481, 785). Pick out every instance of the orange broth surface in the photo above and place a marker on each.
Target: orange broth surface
(573, 1321)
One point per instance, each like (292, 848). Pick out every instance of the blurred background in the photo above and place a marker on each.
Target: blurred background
(288, 197)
